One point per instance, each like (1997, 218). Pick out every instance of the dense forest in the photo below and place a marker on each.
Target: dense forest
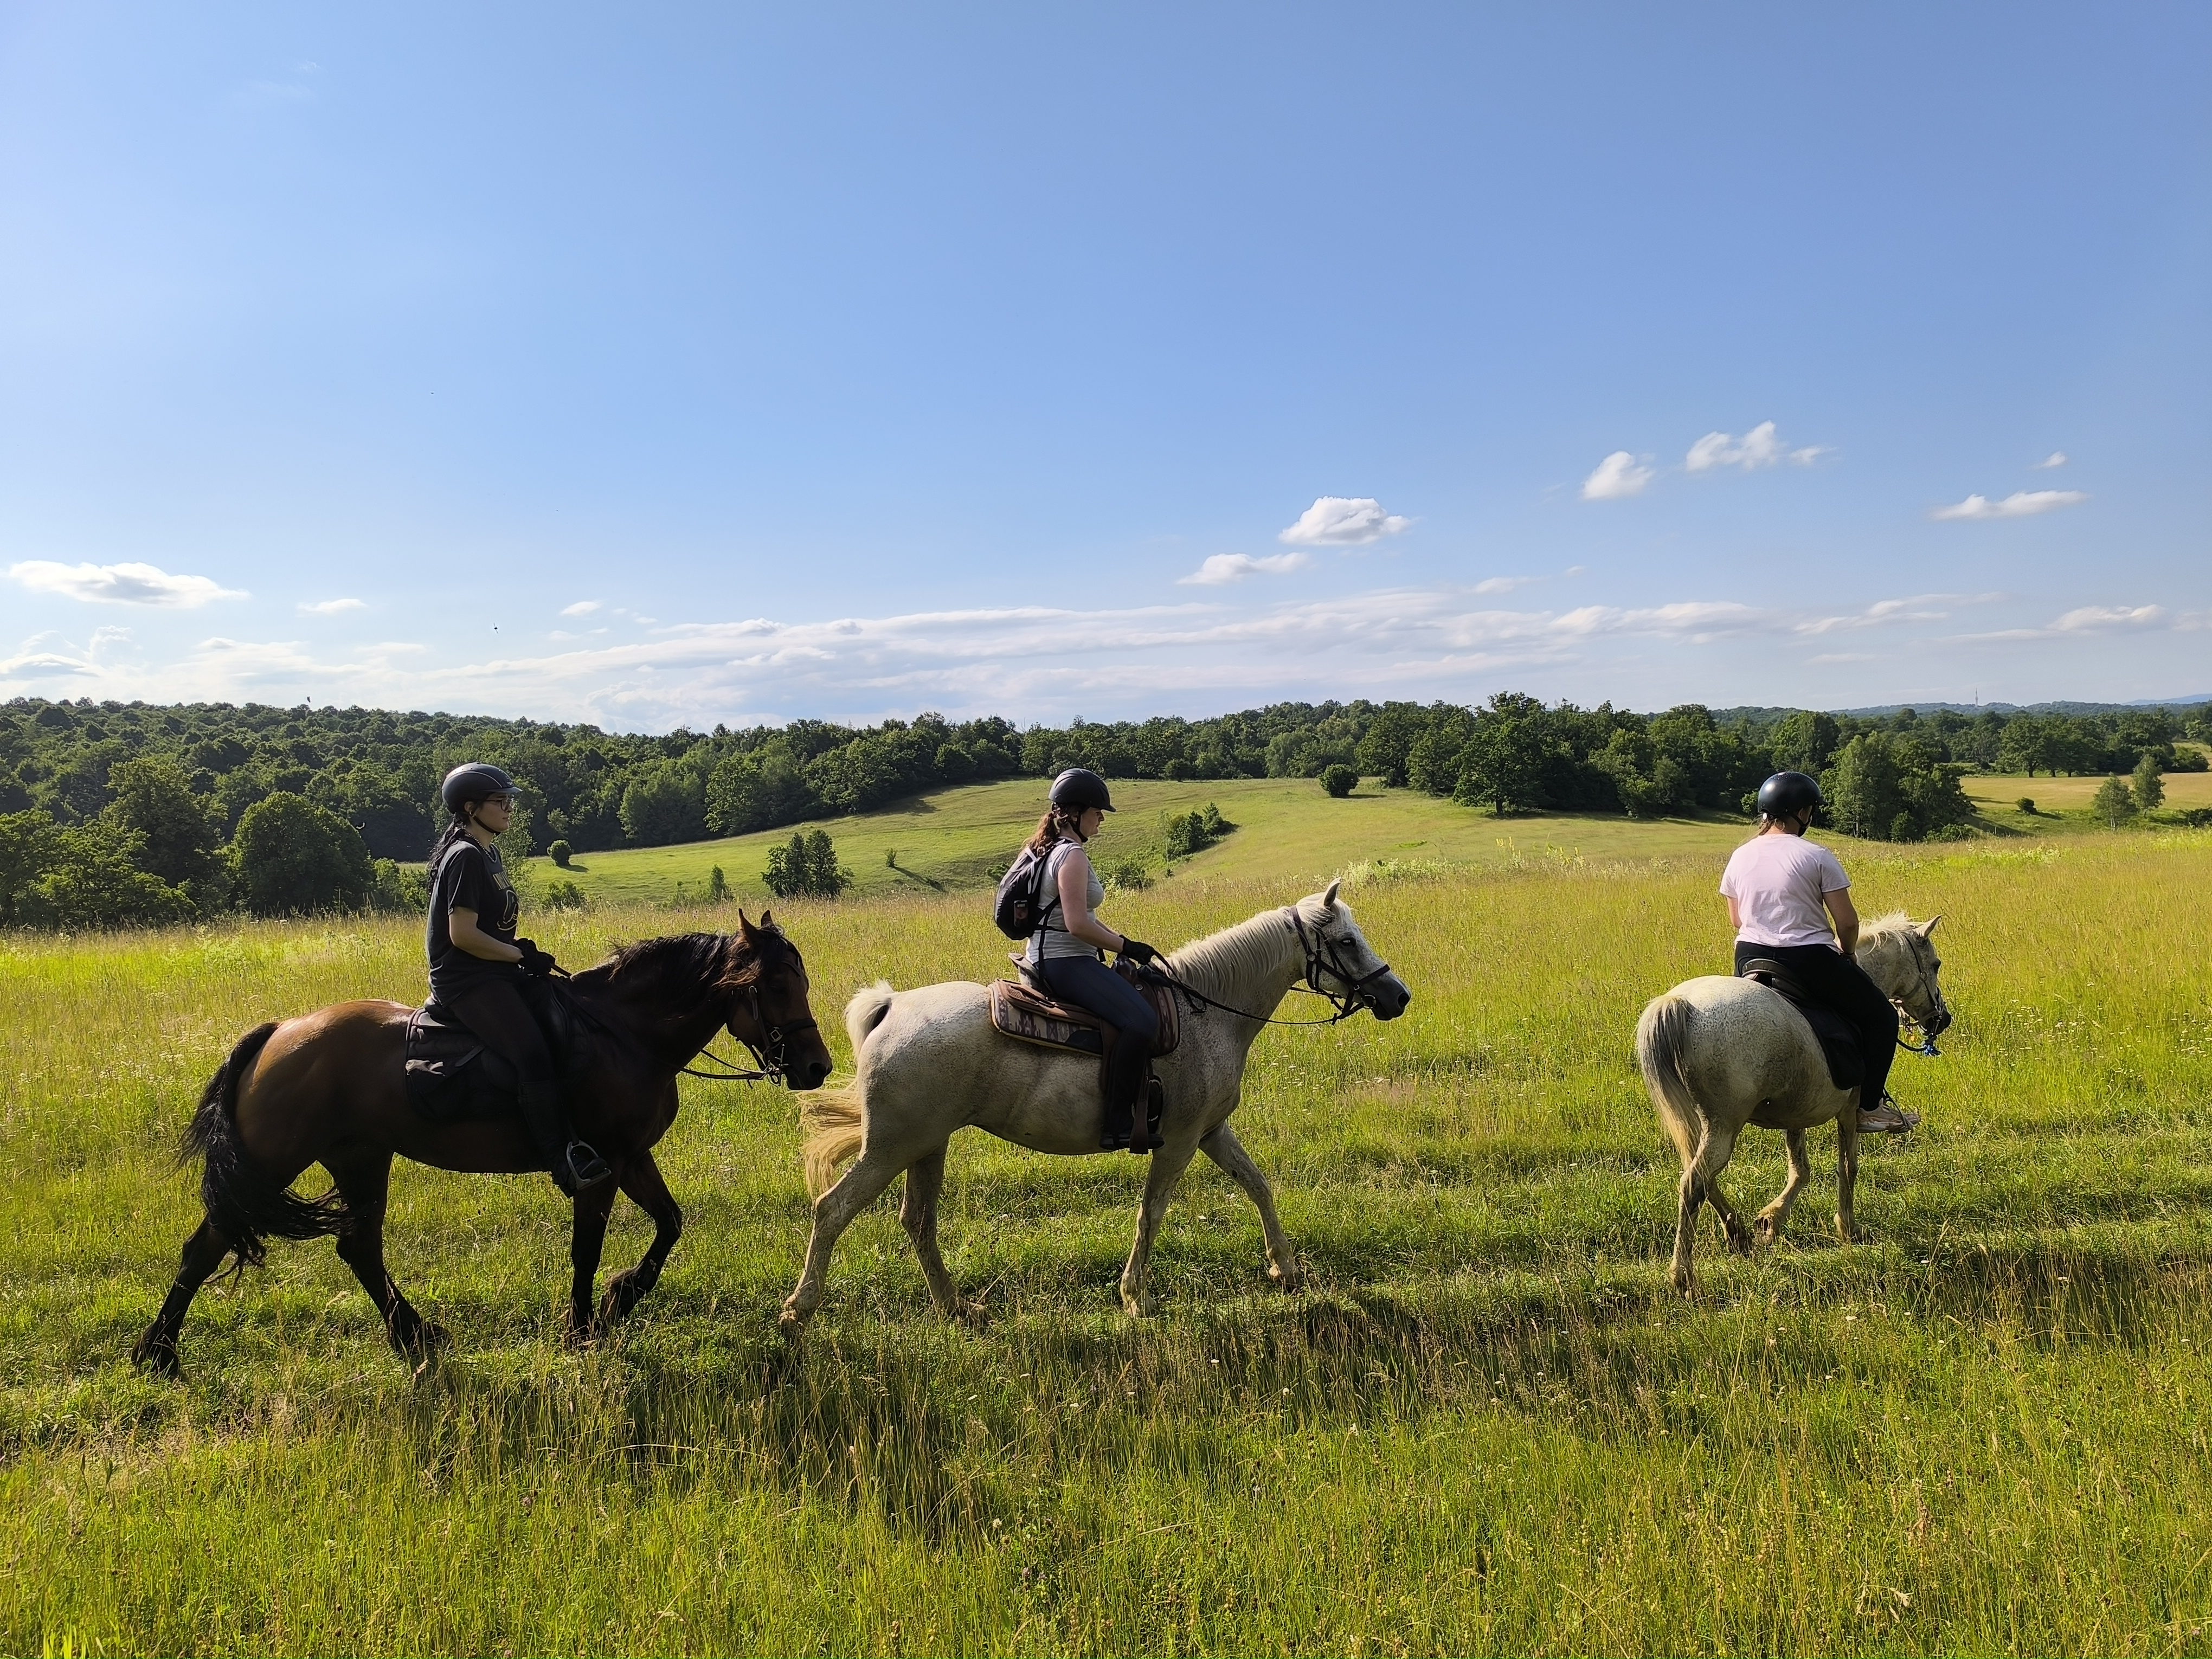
(134, 813)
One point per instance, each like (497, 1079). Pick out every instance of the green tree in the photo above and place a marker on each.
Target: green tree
(27, 843)
(293, 858)
(153, 798)
(664, 804)
(2149, 787)
(1863, 794)
(1338, 780)
(93, 879)
(806, 867)
(1503, 761)
(758, 789)
(2114, 802)
(1803, 742)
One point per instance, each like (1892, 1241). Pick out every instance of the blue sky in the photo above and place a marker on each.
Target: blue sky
(720, 363)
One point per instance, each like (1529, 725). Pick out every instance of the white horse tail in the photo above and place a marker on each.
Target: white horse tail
(835, 1120)
(865, 1012)
(1661, 1034)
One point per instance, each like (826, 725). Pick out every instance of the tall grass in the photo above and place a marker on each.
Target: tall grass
(1486, 1424)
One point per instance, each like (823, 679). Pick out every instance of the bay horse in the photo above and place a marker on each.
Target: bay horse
(929, 1063)
(330, 1088)
(1719, 1055)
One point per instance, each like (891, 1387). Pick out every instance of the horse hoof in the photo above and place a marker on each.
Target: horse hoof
(156, 1356)
(1283, 1279)
(790, 1322)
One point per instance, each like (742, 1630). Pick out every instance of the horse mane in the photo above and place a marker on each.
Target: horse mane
(1883, 927)
(682, 965)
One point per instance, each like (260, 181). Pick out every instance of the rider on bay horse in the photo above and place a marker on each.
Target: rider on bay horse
(1783, 890)
(477, 966)
(1064, 951)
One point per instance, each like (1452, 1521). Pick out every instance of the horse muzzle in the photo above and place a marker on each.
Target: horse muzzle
(1387, 999)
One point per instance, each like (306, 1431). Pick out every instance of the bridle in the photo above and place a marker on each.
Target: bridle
(772, 1060)
(1320, 952)
(1933, 992)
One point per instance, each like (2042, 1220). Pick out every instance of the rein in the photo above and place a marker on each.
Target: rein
(1345, 1004)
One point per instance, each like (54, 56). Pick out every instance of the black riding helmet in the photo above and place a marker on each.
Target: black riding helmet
(1079, 788)
(475, 782)
(1787, 794)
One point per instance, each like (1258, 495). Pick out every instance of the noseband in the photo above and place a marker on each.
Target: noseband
(774, 1061)
(1935, 993)
(1322, 951)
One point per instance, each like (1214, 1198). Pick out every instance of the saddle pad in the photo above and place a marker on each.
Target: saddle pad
(451, 1075)
(1029, 1015)
(1840, 1042)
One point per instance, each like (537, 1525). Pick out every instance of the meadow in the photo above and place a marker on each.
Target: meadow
(1484, 1424)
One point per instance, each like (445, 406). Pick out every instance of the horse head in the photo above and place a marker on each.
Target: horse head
(1900, 959)
(768, 1011)
(1339, 962)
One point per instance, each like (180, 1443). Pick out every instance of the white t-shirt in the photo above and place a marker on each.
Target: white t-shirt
(1780, 885)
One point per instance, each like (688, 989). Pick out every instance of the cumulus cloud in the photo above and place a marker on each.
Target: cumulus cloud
(1505, 584)
(119, 584)
(2021, 504)
(1343, 521)
(581, 608)
(1616, 476)
(1758, 447)
(2098, 619)
(1225, 568)
(333, 607)
(2056, 457)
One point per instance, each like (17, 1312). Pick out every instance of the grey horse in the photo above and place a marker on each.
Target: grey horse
(929, 1063)
(1718, 1054)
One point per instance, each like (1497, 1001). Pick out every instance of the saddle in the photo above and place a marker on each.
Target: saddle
(1023, 1012)
(1839, 1043)
(453, 1076)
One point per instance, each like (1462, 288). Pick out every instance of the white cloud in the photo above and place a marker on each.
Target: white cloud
(1616, 476)
(581, 608)
(2056, 457)
(2100, 617)
(1225, 568)
(333, 607)
(1758, 447)
(1343, 521)
(1505, 584)
(2021, 504)
(119, 584)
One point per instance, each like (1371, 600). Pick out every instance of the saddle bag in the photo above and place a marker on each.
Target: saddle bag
(1839, 1040)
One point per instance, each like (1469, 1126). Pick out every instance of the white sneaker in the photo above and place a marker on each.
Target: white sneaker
(1887, 1119)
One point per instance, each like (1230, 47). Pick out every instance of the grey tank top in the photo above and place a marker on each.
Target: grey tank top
(1054, 941)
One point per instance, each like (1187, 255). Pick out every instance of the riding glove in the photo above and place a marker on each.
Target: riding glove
(536, 963)
(1137, 951)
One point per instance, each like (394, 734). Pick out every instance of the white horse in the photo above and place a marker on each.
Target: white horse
(929, 1062)
(1718, 1054)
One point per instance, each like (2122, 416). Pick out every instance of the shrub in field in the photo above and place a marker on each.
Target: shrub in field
(562, 895)
(292, 858)
(806, 867)
(560, 852)
(2025, 804)
(1194, 832)
(2114, 802)
(76, 876)
(1338, 780)
(718, 886)
(2149, 789)
(1127, 875)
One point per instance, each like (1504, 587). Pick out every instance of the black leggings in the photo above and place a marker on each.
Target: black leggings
(494, 1009)
(1090, 984)
(1842, 985)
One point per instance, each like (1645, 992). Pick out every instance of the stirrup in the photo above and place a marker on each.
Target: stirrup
(578, 1168)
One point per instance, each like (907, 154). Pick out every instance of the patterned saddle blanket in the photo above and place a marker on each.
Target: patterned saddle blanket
(1028, 1015)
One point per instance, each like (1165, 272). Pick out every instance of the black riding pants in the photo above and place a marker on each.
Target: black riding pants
(1842, 985)
(495, 1011)
(1090, 984)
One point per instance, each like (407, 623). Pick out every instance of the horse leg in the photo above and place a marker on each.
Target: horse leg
(587, 1237)
(1700, 1182)
(157, 1348)
(834, 1212)
(1775, 1216)
(1847, 1171)
(642, 1180)
(1221, 1145)
(924, 1180)
(364, 1186)
(1169, 1162)
(1712, 1157)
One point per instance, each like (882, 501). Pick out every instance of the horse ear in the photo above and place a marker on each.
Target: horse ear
(1328, 899)
(768, 918)
(1928, 925)
(745, 927)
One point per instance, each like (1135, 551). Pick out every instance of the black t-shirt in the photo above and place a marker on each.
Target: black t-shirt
(467, 877)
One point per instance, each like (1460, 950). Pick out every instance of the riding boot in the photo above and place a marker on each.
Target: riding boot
(575, 1167)
(1120, 1083)
(1155, 1096)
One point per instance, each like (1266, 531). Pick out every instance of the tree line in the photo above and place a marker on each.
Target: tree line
(114, 813)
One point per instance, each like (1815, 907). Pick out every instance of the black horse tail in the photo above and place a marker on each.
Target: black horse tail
(243, 1204)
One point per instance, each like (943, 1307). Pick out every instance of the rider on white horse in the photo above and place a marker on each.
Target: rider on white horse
(1064, 952)
(1783, 890)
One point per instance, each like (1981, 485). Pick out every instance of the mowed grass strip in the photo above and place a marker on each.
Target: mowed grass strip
(1484, 1425)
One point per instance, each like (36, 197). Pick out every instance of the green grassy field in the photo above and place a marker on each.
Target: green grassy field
(1486, 1425)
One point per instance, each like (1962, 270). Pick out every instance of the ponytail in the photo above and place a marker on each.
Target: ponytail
(1056, 825)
